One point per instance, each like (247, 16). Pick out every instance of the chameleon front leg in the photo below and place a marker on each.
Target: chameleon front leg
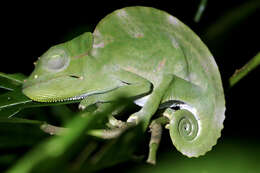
(144, 115)
(133, 86)
(136, 86)
(152, 104)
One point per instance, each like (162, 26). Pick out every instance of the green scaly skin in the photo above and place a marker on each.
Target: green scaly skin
(145, 54)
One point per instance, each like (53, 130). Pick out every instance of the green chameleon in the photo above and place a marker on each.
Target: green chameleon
(149, 56)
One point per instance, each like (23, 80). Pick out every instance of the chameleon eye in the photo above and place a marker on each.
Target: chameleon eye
(56, 60)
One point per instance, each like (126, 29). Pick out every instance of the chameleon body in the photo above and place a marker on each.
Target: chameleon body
(147, 55)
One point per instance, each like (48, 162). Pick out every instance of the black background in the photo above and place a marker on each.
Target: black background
(29, 29)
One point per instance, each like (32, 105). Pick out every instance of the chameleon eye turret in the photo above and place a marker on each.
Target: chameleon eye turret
(55, 60)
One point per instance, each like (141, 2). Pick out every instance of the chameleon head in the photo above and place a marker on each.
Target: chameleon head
(58, 73)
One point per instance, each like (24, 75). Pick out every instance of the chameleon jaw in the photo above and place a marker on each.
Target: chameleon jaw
(47, 97)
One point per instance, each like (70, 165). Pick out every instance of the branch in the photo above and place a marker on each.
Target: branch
(240, 73)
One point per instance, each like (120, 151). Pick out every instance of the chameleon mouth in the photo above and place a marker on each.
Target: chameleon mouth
(48, 97)
(59, 89)
(52, 92)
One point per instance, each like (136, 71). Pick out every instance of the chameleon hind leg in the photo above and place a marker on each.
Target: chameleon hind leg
(147, 111)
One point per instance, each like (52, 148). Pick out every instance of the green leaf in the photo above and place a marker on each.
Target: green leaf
(12, 102)
(20, 121)
(57, 151)
(53, 151)
(11, 81)
(18, 132)
(115, 151)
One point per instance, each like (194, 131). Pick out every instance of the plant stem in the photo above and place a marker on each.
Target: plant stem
(156, 133)
(240, 73)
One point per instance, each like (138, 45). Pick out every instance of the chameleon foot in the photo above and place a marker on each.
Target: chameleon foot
(115, 123)
(110, 133)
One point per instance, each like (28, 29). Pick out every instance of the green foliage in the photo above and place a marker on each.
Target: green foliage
(13, 100)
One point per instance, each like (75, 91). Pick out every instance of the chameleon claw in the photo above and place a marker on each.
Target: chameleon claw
(82, 107)
(115, 123)
(167, 126)
(133, 119)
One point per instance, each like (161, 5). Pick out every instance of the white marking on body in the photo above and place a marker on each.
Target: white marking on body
(213, 61)
(138, 35)
(122, 13)
(97, 33)
(193, 77)
(161, 64)
(98, 42)
(175, 43)
(35, 76)
(99, 45)
(129, 24)
(172, 20)
(205, 62)
(94, 52)
(142, 101)
(189, 108)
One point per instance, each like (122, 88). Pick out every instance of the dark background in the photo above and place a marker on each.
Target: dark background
(29, 29)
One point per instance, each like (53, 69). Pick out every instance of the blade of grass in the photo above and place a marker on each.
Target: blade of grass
(19, 120)
(17, 132)
(200, 10)
(45, 127)
(12, 102)
(11, 81)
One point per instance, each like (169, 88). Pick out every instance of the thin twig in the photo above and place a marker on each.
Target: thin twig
(51, 129)
(240, 73)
